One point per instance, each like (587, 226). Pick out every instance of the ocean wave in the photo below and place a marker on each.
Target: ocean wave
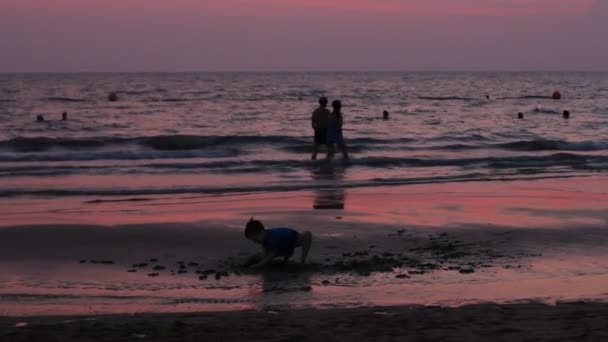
(219, 152)
(105, 192)
(555, 145)
(141, 92)
(174, 142)
(528, 145)
(219, 161)
(525, 97)
(446, 98)
(161, 142)
(64, 99)
(558, 159)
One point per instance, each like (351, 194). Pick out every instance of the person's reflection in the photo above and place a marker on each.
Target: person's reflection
(282, 284)
(331, 195)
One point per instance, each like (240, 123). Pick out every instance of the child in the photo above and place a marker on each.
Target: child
(277, 242)
(334, 131)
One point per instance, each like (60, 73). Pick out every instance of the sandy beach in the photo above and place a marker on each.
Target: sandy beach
(578, 321)
(449, 245)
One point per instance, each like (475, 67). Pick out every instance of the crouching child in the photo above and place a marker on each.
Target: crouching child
(276, 242)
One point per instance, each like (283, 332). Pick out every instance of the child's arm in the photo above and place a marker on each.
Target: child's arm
(305, 240)
(266, 259)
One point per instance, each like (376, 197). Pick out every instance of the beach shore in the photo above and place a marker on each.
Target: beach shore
(479, 261)
(578, 321)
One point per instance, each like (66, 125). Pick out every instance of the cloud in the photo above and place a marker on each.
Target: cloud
(293, 7)
(443, 7)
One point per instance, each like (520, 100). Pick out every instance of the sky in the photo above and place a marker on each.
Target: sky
(302, 35)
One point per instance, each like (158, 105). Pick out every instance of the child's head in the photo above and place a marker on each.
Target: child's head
(254, 230)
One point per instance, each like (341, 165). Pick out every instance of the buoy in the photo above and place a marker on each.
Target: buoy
(112, 97)
(556, 95)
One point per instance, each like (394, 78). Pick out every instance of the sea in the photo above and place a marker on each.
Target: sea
(219, 133)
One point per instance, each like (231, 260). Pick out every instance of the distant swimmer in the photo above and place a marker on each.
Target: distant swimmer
(556, 95)
(385, 115)
(520, 115)
(39, 118)
(319, 121)
(112, 97)
(64, 116)
(566, 114)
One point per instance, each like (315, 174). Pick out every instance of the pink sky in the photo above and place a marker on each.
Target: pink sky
(212, 35)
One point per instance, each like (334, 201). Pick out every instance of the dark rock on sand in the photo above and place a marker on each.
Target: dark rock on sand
(152, 274)
(202, 277)
(193, 264)
(83, 261)
(141, 265)
(131, 271)
(325, 282)
(466, 270)
(107, 262)
(402, 276)
(159, 268)
(153, 260)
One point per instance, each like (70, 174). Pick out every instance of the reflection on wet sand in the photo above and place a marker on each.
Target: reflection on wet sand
(289, 280)
(333, 196)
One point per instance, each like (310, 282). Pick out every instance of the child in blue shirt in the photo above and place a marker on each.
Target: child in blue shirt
(277, 242)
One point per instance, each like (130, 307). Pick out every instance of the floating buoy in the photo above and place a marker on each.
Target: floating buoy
(112, 97)
(556, 95)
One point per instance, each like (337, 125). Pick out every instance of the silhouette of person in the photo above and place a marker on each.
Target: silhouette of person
(64, 116)
(385, 115)
(320, 118)
(334, 130)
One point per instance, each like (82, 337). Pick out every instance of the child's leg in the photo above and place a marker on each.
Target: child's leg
(344, 152)
(330, 150)
(305, 241)
(315, 150)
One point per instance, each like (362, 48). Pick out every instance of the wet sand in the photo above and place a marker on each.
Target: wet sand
(375, 252)
(577, 321)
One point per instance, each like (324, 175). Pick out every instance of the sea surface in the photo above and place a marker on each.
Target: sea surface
(210, 133)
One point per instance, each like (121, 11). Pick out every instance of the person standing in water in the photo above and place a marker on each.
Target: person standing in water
(334, 130)
(320, 118)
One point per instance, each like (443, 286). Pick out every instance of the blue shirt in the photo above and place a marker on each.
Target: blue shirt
(280, 241)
